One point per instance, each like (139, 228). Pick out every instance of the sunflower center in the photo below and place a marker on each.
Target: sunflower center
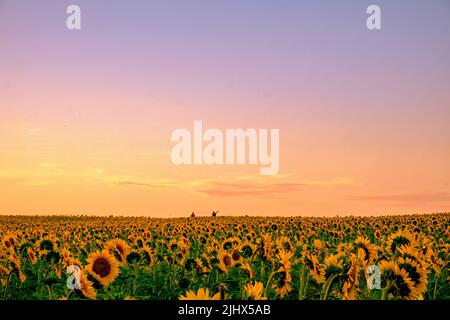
(46, 245)
(235, 256)
(101, 267)
(227, 260)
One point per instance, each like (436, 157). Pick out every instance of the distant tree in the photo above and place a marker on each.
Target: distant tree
(192, 214)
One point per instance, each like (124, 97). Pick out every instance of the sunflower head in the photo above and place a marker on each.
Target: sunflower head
(350, 286)
(31, 256)
(362, 243)
(396, 281)
(202, 294)
(133, 257)
(87, 288)
(377, 234)
(397, 240)
(311, 262)
(332, 265)
(254, 291)
(228, 244)
(403, 286)
(103, 267)
(416, 272)
(247, 250)
(282, 282)
(147, 255)
(9, 240)
(225, 261)
(119, 249)
(46, 244)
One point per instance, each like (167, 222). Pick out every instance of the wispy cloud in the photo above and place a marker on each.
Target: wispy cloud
(222, 189)
(407, 198)
(346, 181)
(235, 186)
(153, 183)
(140, 184)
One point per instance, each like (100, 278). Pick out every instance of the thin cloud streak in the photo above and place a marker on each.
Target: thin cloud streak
(417, 198)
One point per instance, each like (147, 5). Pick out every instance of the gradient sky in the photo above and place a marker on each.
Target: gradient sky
(86, 116)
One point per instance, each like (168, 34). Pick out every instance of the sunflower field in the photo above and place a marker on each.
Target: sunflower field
(249, 258)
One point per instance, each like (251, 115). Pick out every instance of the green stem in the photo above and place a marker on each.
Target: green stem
(436, 282)
(385, 290)
(269, 282)
(6, 284)
(305, 286)
(254, 253)
(302, 280)
(328, 285)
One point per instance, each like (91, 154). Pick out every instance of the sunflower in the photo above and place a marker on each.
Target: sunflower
(350, 286)
(283, 276)
(410, 252)
(3, 271)
(318, 245)
(87, 288)
(200, 266)
(66, 255)
(103, 267)
(312, 263)
(148, 255)
(436, 263)
(403, 286)
(397, 240)
(398, 282)
(377, 234)
(416, 272)
(225, 261)
(184, 243)
(236, 256)
(332, 265)
(15, 261)
(254, 291)
(267, 245)
(202, 294)
(284, 243)
(283, 280)
(134, 257)
(285, 258)
(368, 249)
(119, 248)
(228, 244)
(9, 240)
(31, 256)
(174, 246)
(247, 250)
(46, 245)
(182, 256)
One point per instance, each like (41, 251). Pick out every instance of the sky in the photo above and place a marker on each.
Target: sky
(86, 115)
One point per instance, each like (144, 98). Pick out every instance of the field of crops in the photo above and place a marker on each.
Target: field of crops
(225, 257)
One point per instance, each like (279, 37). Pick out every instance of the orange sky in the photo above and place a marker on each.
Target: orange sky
(86, 116)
